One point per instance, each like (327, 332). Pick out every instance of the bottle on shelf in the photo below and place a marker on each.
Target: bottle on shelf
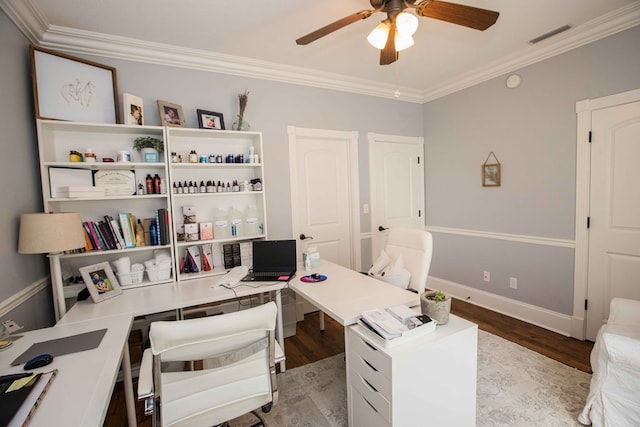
(140, 234)
(149, 182)
(235, 218)
(157, 184)
(153, 232)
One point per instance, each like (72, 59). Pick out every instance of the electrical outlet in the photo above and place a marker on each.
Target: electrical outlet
(487, 276)
(365, 208)
(513, 283)
(10, 326)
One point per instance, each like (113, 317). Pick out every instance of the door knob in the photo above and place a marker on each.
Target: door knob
(381, 228)
(303, 237)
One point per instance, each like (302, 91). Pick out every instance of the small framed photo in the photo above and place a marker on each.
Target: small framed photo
(69, 88)
(491, 175)
(210, 120)
(133, 110)
(170, 114)
(100, 281)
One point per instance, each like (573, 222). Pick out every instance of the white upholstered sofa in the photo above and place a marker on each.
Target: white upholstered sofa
(614, 396)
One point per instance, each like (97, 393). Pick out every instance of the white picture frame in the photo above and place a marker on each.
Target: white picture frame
(133, 109)
(100, 281)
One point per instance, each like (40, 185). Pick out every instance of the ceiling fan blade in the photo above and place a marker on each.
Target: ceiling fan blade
(389, 54)
(467, 16)
(328, 29)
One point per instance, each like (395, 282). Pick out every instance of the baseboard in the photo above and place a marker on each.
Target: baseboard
(553, 321)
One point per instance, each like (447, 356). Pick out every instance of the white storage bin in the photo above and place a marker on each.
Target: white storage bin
(156, 274)
(130, 278)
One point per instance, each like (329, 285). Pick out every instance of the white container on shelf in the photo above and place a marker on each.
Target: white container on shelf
(222, 229)
(251, 226)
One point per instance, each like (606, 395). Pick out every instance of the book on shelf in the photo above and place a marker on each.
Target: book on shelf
(95, 236)
(127, 230)
(107, 236)
(117, 231)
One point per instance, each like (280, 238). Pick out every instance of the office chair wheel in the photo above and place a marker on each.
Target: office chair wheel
(267, 408)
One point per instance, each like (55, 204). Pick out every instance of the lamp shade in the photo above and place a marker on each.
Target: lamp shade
(42, 233)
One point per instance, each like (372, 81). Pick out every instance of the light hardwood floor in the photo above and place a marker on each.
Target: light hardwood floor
(310, 345)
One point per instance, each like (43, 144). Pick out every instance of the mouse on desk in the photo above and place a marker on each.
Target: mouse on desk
(38, 361)
(315, 276)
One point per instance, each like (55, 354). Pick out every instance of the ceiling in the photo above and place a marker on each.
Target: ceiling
(257, 39)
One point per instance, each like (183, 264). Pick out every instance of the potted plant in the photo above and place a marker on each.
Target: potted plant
(150, 148)
(436, 305)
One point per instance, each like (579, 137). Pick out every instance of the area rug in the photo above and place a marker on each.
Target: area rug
(516, 387)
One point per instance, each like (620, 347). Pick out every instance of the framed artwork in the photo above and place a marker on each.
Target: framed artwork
(210, 120)
(100, 281)
(170, 114)
(132, 110)
(491, 172)
(74, 89)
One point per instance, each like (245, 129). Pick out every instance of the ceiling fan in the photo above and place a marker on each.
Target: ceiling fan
(402, 25)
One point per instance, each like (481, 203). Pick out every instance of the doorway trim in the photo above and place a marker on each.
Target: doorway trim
(351, 137)
(584, 109)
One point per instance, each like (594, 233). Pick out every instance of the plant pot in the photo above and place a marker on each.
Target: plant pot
(150, 155)
(240, 124)
(438, 311)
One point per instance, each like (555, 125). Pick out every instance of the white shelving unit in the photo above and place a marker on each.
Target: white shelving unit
(55, 141)
(226, 210)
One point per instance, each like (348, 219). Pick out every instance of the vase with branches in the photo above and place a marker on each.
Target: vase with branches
(241, 123)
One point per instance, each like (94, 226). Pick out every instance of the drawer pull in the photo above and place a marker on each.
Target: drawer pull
(370, 346)
(369, 384)
(370, 365)
(372, 407)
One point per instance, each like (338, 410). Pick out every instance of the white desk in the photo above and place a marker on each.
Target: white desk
(165, 297)
(80, 394)
(346, 293)
(427, 378)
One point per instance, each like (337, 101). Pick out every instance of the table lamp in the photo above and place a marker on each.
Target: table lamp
(52, 233)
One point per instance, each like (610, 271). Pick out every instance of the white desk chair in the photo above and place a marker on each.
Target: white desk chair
(416, 247)
(235, 354)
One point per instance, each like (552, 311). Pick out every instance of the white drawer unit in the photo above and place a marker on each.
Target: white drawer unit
(427, 380)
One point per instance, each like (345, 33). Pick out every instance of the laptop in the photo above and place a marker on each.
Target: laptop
(273, 261)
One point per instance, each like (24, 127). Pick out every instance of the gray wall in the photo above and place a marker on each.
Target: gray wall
(20, 177)
(532, 131)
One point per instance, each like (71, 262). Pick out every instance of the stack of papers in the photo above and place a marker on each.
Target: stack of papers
(395, 322)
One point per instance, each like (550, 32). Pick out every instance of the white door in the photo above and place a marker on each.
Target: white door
(324, 191)
(396, 176)
(614, 232)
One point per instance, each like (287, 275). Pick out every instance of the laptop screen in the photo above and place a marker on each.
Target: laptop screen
(274, 256)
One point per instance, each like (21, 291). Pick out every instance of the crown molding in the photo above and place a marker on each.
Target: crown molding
(27, 17)
(604, 26)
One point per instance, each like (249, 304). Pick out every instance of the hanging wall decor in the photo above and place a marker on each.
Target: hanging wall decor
(69, 88)
(491, 172)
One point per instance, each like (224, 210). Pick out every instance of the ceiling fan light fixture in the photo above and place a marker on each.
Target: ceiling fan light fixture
(403, 42)
(378, 37)
(406, 23)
